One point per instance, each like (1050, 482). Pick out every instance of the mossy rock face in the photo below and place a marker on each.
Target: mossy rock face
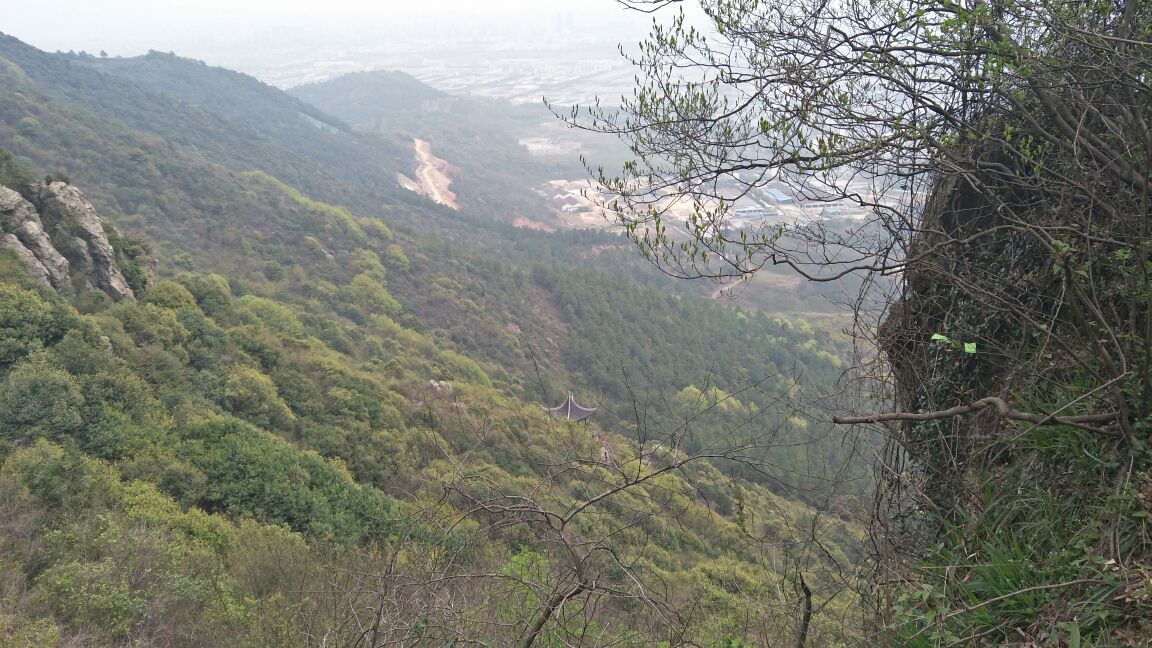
(990, 305)
(1040, 299)
(930, 374)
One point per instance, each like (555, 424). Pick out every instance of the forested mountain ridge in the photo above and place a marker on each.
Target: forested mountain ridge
(256, 227)
(318, 395)
(477, 136)
(258, 127)
(364, 97)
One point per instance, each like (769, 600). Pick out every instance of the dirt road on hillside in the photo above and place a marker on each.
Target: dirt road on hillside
(433, 175)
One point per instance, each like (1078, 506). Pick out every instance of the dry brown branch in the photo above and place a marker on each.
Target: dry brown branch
(1002, 410)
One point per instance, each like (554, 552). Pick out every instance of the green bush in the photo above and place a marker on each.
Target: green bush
(28, 323)
(169, 294)
(94, 593)
(39, 400)
(252, 395)
(252, 472)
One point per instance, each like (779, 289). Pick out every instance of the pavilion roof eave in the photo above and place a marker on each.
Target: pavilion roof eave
(571, 410)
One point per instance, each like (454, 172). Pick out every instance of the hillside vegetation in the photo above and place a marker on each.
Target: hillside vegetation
(320, 419)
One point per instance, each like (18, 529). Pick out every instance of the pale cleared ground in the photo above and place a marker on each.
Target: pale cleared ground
(550, 146)
(575, 204)
(432, 179)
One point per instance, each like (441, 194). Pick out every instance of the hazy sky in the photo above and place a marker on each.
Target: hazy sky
(127, 27)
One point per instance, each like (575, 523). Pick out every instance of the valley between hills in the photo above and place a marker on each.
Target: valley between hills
(831, 325)
(311, 410)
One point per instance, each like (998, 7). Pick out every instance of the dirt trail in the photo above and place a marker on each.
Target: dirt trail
(433, 175)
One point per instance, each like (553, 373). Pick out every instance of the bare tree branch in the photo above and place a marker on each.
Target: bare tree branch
(1002, 409)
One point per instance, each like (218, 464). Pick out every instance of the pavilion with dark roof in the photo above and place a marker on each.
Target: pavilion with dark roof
(571, 410)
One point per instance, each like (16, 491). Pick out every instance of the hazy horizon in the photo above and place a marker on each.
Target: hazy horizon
(255, 36)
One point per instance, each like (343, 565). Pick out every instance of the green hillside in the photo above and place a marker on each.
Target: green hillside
(271, 131)
(324, 407)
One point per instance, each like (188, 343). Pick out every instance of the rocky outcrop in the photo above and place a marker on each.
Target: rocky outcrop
(24, 234)
(9, 242)
(65, 210)
(56, 232)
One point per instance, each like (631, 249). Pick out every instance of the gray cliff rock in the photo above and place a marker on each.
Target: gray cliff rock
(24, 233)
(72, 221)
(55, 231)
(37, 269)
